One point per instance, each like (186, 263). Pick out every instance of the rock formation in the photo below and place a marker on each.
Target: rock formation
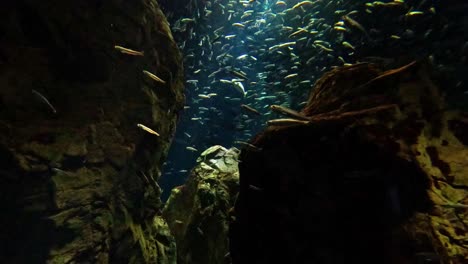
(78, 178)
(199, 212)
(379, 174)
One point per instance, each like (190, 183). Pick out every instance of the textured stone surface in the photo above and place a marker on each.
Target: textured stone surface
(80, 185)
(199, 212)
(378, 176)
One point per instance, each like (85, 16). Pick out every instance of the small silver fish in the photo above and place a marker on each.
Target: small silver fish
(286, 122)
(147, 129)
(154, 77)
(44, 99)
(129, 51)
(192, 149)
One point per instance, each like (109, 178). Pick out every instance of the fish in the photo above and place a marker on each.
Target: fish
(286, 122)
(154, 77)
(238, 74)
(225, 81)
(192, 149)
(204, 96)
(129, 51)
(414, 13)
(266, 97)
(216, 31)
(340, 23)
(342, 59)
(355, 24)
(214, 73)
(247, 144)
(147, 129)
(200, 231)
(239, 25)
(229, 36)
(301, 30)
(250, 109)
(281, 3)
(303, 3)
(60, 171)
(187, 20)
(241, 57)
(44, 99)
(294, 43)
(340, 28)
(291, 76)
(282, 45)
(255, 188)
(239, 87)
(288, 112)
(348, 45)
(216, 39)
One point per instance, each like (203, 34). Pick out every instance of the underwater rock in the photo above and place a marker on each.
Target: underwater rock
(378, 175)
(78, 177)
(198, 212)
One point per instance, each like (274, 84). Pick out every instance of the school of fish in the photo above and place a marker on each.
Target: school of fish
(248, 62)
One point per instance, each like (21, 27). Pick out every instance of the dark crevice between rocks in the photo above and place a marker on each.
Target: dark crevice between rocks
(28, 201)
(459, 129)
(32, 233)
(436, 161)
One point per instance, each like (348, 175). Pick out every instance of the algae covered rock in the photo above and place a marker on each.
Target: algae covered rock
(378, 175)
(198, 212)
(78, 177)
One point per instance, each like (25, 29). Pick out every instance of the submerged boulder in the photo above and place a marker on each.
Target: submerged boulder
(199, 212)
(78, 178)
(378, 174)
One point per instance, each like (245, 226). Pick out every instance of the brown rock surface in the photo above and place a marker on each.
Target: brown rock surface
(379, 175)
(78, 184)
(198, 212)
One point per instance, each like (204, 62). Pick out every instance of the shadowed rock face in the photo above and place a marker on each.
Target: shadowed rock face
(379, 175)
(78, 178)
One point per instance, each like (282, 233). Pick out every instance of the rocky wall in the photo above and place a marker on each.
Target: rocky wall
(78, 178)
(376, 174)
(199, 212)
